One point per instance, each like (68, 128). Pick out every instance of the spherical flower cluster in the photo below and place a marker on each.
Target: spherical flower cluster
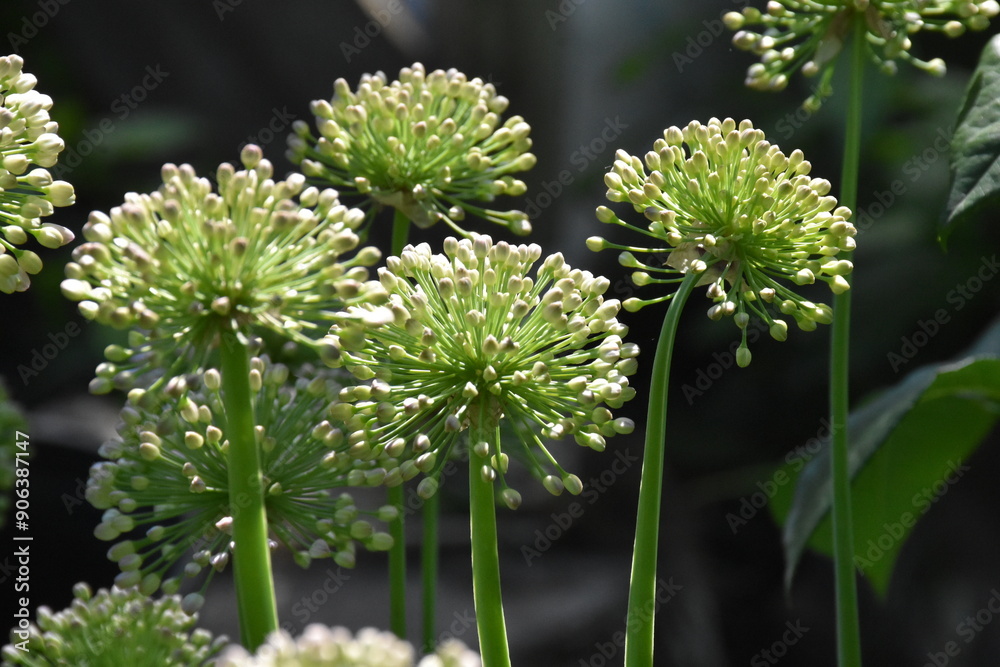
(28, 143)
(428, 145)
(114, 628)
(11, 445)
(165, 485)
(321, 646)
(471, 336)
(793, 34)
(721, 201)
(185, 264)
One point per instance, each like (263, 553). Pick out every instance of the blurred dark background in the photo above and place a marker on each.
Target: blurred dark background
(139, 84)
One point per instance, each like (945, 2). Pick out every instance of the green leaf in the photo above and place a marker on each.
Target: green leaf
(907, 448)
(975, 145)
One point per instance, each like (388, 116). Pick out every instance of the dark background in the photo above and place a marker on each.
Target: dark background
(228, 72)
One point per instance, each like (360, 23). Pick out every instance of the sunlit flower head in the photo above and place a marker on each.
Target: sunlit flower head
(721, 201)
(165, 485)
(28, 144)
(808, 35)
(429, 145)
(321, 646)
(472, 336)
(191, 261)
(112, 628)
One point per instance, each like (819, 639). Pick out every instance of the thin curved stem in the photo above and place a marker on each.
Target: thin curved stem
(251, 554)
(848, 623)
(485, 552)
(642, 587)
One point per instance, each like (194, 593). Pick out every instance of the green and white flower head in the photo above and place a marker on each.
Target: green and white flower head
(115, 628)
(165, 488)
(721, 201)
(429, 145)
(29, 143)
(321, 646)
(808, 35)
(472, 336)
(185, 264)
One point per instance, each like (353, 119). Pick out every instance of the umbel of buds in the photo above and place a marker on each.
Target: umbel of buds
(470, 335)
(429, 145)
(721, 201)
(28, 144)
(115, 627)
(165, 492)
(793, 34)
(321, 645)
(185, 264)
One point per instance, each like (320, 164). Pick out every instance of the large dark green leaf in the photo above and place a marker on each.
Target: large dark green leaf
(907, 448)
(975, 146)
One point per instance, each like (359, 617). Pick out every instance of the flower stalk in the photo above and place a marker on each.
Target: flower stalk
(252, 576)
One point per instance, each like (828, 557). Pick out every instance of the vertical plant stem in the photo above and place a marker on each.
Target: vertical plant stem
(429, 570)
(395, 495)
(848, 624)
(642, 587)
(251, 556)
(485, 552)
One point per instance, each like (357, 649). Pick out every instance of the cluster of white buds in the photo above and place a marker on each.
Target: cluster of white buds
(429, 145)
(469, 334)
(721, 201)
(29, 143)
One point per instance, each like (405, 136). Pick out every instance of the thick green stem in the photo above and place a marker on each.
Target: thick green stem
(429, 568)
(251, 556)
(395, 495)
(848, 624)
(642, 588)
(485, 552)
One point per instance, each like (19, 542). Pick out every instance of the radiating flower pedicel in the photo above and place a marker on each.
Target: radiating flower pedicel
(722, 201)
(429, 145)
(473, 335)
(185, 264)
(809, 34)
(165, 485)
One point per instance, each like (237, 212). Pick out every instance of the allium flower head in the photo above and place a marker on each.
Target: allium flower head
(721, 201)
(321, 646)
(808, 34)
(471, 335)
(28, 143)
(115, 628)
(428, 145)
(165, 489)
(186, 263)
